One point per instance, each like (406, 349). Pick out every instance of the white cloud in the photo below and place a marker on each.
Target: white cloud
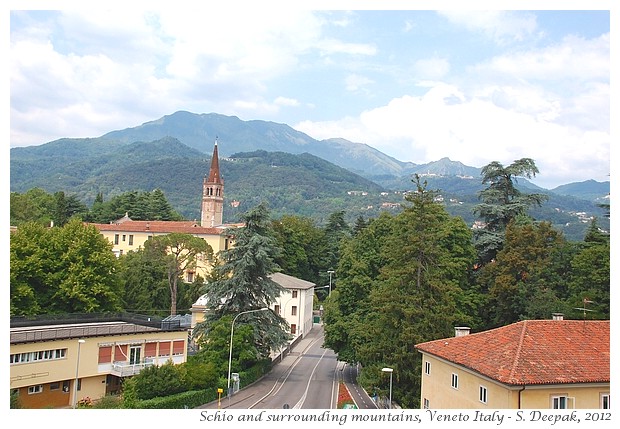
(445, 122)
(501, 26)
(575, 59)
(289, 102)
(355, 82)
(431, 68)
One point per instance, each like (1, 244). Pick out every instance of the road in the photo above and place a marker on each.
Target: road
(307, 378)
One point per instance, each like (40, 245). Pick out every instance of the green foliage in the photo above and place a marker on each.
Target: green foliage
(179, 251)
(144, 276)
(156, 380)
(245, 284)
(401, 281)
(526, 280)
(303, 246)
(189, 399)
(502, 202)
(68, 269)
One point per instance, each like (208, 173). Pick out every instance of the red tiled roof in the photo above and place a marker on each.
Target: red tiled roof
(160, 226)
(532, 352)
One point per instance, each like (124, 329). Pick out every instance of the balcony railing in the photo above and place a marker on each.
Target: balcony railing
(126, 369)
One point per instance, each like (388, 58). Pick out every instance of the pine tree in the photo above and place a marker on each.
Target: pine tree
(244, 282)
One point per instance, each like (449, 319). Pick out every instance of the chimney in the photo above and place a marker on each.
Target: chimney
(461, 331)
(557, 316)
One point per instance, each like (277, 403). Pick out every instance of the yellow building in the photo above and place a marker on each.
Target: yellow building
(57, 363)
(532, 364)
(126, 234)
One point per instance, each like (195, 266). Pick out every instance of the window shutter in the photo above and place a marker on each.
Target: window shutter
(120, 353)
(105, 354)
(150, 350)
(164, 348)
(178, 347)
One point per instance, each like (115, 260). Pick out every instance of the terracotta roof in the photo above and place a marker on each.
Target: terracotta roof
(532, 352)
(160, 226)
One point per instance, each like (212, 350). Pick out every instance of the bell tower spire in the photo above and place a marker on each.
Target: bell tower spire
(212, 209)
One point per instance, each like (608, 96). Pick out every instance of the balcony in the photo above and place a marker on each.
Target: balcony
(126, 369)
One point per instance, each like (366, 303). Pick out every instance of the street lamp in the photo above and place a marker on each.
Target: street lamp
(390, 370)
(232, 326)
(77, 369)
(330, 272)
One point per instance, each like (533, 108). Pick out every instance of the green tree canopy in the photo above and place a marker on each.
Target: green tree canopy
(68, 269)
(245, 282)
(501, 202)
(180, 252)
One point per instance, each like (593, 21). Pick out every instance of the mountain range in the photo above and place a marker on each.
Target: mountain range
(259, 160)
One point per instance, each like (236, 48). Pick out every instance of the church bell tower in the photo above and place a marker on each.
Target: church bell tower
(212, 209)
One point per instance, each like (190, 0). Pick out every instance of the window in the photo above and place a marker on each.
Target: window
(120, 353)
(605, 404)
(105, 354)
(55, 386)
(164, 348)
(131, 239)
(276, 309)
(294, 294)
(294, 310)
(115, 238)
(39, 355)
(482, 394)
(561, 402)
(178, 347)
(150, 350)
(427, 404)
(293, 329)
(38, 388)
(455, 381)
(427, 368)
(124, 236)
(190, 276)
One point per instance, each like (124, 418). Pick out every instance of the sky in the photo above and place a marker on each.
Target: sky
(474, 85)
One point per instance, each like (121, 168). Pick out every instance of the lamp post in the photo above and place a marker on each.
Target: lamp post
(232, 326)
(390, 370)
(77, 369)
(330, 272)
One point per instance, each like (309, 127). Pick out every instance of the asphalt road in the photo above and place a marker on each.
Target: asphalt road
(307, 378)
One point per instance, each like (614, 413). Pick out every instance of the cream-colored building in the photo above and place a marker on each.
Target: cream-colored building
(56, 363)
(295, 304)
(532, 364)
(126, 234)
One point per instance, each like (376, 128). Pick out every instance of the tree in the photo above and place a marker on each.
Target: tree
(303, 247)
(401, 282)
(182, 251)
(359, 267)
(144, 276)
(68, 269)
(590, 280)
(524, 282)
(245, 283)
(502, 202)
(36, 205)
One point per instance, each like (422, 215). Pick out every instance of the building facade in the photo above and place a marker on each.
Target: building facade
(126, 234)
(57, 364)
(532, 364)
(295, 304)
